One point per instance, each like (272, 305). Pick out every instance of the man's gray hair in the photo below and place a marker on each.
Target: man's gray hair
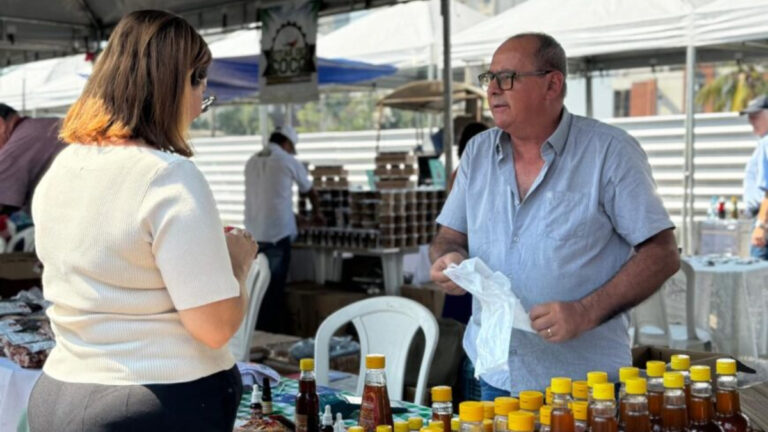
(549, 56)
(7, 112)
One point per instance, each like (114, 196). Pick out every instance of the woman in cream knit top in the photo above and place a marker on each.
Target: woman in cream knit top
(146, 288)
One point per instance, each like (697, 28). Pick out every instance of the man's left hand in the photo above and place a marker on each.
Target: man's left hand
(560, 321)
(758, 237)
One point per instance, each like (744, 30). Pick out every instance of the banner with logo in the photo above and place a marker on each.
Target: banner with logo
(288, 63)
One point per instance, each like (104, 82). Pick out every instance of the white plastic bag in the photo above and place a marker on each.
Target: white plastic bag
(501, 312)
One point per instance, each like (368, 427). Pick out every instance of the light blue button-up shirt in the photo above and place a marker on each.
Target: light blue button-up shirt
(756, 177)
(593, 200)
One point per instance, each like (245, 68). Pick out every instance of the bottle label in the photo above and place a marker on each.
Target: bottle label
(266, 408)
(301, 423)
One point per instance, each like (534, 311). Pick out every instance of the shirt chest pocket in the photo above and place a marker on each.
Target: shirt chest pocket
(566, 215)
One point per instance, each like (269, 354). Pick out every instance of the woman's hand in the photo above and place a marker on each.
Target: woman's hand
(242, 251)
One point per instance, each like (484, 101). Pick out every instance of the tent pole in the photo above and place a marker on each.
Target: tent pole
(588, 90)
(263, 125)
(688, 170)
(447, 86)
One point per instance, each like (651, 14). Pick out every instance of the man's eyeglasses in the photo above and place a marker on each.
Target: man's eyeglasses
(505, 80)
(207, 102)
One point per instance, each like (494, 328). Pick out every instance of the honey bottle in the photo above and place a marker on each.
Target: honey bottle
(415, 424)
(682, 363)
(545, 419)
(580, 409)
(674, 413)
(442, 405)
(562, 416)
(625, 373)
(700, 411)
(520, 421)
(603, 408)
(655, 370)
(594, 377)
(638, 418)
(532, 402)
(728, 406)
(471, 417)
(502, 407)
(307, 411)
(375, 409)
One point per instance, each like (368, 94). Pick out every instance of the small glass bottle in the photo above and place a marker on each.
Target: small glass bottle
(355, 429)
(531, 401)
(545, 419)
(636, 406)
(548, 396)
(502, 407)
(520, 421)
(442, 405)
(415, 424)
(436, 425)
(625, 374)
(603, 408)
(326, 422)
(682, 363)
(487, 425)
(471, 417)
(401, 426)
(700, 411)
(655, 369)
(455, 424)
(674, 413)
(266, 396)
(375, 409)
(728, 406)
(488, 410)
(562, 416)
(339, 425)
(580, 409)
(307, 403)
(595, 377)
(257, 411)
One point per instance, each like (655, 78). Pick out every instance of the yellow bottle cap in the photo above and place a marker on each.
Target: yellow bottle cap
(441, 394)
(383, 428)
(628, 372)
(548, 393)
(307, 364)
(531, 400)
(674, 380)
(561, 385)
(401, 426)
(487, 425)
(580, 390)
(637, 386)
(375, 361)
(415, 423)
(726, 366)
(521, 421)
(545, 415)
(596, 377)
(655, 368)
(579, 409)
(424, 429)
(471, 411)
(701, 373)
(603, 391)
(680, 362)
(504, 405)
(436, 424)
(455, 423)
(355, 429)
(488, 409)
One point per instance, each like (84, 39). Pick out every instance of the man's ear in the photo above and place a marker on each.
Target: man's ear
(555, 83)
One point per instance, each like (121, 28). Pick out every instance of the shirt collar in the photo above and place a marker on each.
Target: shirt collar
(556, 140)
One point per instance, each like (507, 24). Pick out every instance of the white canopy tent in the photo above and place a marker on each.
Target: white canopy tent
(45, 84)
(405, 35)
(732, 21)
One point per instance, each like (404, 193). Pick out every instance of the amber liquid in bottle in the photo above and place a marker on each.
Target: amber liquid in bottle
(700, 410)
(674, 419)
(655, 402)
(636, 418)
(375, 409)
(728, 414)
(604, 424)
(445, 418)
(307, 407)
(562, 420)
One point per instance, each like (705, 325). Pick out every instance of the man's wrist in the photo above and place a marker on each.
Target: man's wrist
(762, 225)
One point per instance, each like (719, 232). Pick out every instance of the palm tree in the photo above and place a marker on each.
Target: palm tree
(732, 91)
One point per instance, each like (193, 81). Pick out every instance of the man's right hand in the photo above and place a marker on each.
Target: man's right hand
(442, 281)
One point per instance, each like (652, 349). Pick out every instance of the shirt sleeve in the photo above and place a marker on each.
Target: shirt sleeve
(15, 174)
(629, 192)
(300, 175)
(761, 166)
(454, 212)
(180, 216)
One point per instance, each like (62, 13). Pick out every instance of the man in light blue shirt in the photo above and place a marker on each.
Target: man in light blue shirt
(566, 208)
(756, 169)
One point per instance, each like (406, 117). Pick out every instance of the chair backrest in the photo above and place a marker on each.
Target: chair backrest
(385, 325)
(690, 299)
(256, 286)
(651, 313)
(26, 237)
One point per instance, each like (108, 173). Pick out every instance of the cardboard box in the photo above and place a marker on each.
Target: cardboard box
(18, 271)
(428, 295)
(309, 304)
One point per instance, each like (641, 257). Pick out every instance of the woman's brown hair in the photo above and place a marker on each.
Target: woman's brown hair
(137, 88)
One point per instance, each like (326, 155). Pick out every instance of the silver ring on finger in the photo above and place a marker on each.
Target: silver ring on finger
(549, 332)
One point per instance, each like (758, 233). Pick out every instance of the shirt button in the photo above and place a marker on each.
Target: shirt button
(516, 239)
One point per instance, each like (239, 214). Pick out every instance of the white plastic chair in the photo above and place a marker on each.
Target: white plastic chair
(651, 321)
(385, 325)
(26, 237)
(256, 285)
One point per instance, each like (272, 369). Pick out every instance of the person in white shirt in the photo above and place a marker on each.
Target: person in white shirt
(145, 286)
(269, 178)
